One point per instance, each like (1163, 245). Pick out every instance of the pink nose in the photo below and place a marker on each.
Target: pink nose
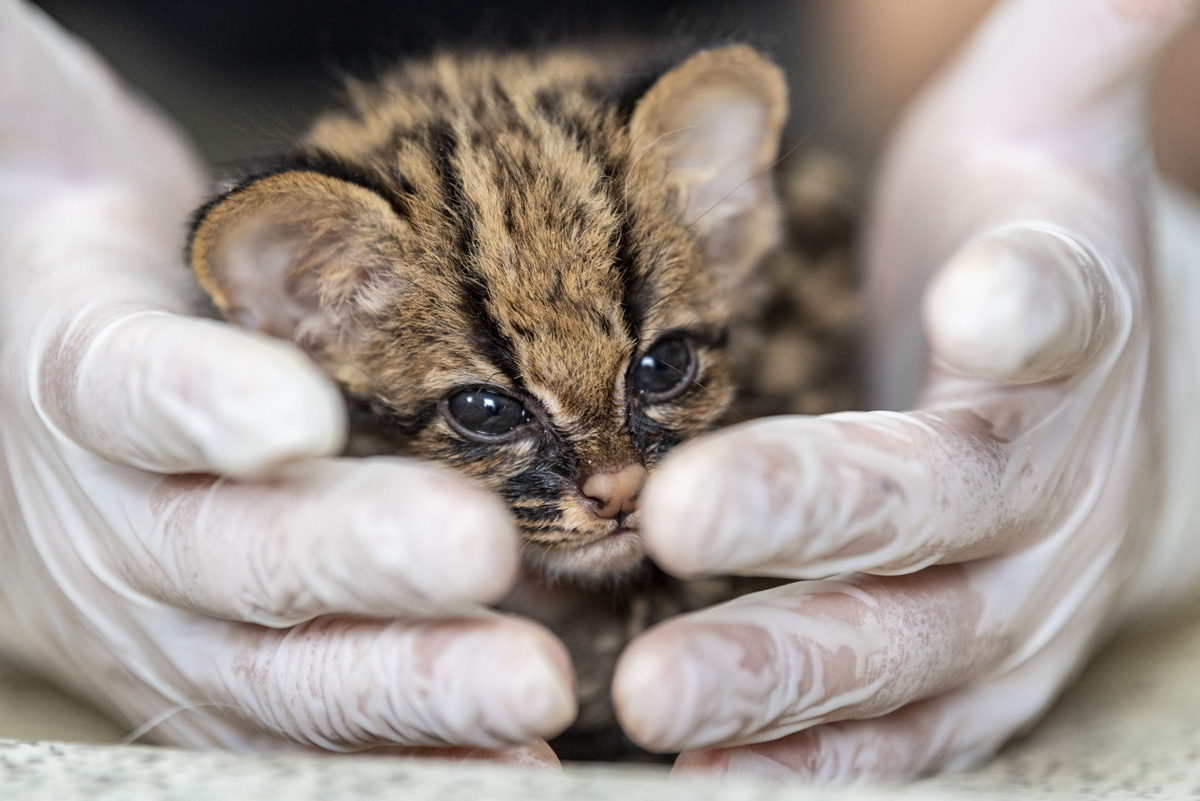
(615, 491)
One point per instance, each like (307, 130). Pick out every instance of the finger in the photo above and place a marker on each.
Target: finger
(813, 497)
(347, 684)
(773, 663)
(978, 474)
(1041, 119)
(954, 731)
(1022, 305)
(379, 537)
(174, 394)
(1078, 58)
(903, 745)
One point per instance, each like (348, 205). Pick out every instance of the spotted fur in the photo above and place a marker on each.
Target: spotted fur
(535, 223)
(528, 222)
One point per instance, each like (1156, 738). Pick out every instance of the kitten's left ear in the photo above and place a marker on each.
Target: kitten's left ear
(299, 254)
(717, 118)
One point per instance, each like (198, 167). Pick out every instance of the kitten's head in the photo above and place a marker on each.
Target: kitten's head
(520, 268)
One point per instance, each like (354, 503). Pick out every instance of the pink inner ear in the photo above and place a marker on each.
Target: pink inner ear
(718, 131)
(718, 126)
(258, 261)
(716, 119)
(720, 150)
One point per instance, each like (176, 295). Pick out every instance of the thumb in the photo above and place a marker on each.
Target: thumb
(1026, 303)
(174, 394)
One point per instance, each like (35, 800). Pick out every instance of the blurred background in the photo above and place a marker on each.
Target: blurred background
(241, 75)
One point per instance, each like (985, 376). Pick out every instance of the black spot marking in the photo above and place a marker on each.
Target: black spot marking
(510, 216)
(490, 340)
(534, 514)
(547, 477)
(444, 146)
(374, 417)
(651, 439)
(549, 102)
(632, 282)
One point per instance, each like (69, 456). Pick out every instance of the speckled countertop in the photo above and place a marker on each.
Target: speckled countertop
(1130, 728)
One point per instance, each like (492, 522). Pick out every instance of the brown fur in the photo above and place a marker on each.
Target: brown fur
(536, 224)
(507, 221)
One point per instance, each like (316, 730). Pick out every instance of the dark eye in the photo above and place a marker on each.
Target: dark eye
(664, 370)
(486, 412)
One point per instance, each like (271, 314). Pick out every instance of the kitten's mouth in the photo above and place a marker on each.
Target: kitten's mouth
(608, 555)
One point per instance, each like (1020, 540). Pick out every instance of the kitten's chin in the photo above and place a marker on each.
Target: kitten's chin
(609, 557)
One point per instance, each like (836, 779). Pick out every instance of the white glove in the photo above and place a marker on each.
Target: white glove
(1046, 481)
(209, 611)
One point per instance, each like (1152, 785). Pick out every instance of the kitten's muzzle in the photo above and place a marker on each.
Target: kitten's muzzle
(611, 494)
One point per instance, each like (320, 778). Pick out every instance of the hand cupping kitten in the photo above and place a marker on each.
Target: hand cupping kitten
(343, 603)
(522, 267)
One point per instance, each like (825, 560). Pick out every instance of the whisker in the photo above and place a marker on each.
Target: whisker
(763, 171)
(483, 385)
(717, 409)
(365, 375)
(662, 299)
(638, 155)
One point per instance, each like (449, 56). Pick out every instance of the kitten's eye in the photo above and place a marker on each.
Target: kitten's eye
(487, 413)
(663, 371)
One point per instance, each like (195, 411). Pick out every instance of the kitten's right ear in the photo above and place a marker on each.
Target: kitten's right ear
(717, 119)
(298, 254)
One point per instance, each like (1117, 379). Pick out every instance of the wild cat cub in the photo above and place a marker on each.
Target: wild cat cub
(525, 268)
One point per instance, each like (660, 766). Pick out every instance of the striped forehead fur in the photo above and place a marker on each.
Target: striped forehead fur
(535, 243)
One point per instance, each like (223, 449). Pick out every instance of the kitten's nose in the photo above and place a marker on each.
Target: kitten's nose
(615, 491)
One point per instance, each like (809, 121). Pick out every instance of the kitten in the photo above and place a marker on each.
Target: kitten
(526, 268)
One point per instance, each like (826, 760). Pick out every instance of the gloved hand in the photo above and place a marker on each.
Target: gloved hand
(1045, 482)
(329, 603)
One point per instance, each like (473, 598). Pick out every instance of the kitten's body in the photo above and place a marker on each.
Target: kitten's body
(534, 271)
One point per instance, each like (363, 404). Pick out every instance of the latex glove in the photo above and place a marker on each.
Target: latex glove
(304, 606)
(1047, 476)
